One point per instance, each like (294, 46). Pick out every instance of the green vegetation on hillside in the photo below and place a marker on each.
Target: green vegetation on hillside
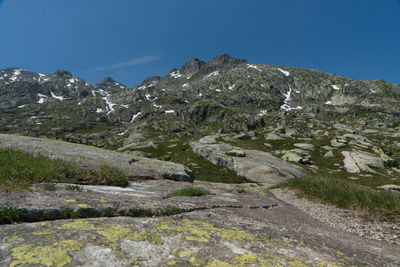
(347, 194)
(204, 170)
(20, 170)
(190, 192)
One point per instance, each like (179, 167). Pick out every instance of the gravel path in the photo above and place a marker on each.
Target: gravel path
(347, 220)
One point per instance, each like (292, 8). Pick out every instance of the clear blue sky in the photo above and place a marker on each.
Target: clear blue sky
(132, 39)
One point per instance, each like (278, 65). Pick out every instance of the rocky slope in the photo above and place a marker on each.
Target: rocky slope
(323, 122)
(266, 123)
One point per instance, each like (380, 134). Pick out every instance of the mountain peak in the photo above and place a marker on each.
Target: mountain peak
(192, 66)
(62, 74)
(227, 59)
(109, 84)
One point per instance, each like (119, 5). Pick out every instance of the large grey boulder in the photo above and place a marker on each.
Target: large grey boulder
(92, 157)
(297, 156)
(389, 187)
(272, 136)
(257, 166)
(356, 161)
(305, 146)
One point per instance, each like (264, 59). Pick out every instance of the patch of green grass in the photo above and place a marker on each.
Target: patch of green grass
(113, 176)
(75, 188)
(50, 187)
(346, 194)
(190, 192)
(21, 170)
(9, 214)
(170, 210)
(203, 169)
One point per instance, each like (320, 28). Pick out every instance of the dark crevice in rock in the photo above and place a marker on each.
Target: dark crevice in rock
(10, 214)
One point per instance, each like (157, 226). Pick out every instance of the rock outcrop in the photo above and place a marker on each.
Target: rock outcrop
(356, 161)
(257, 166)
(92, 157)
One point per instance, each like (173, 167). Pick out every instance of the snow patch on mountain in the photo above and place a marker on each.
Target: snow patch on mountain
(175, 74)
(335, 87)
(214, 73)
(262, 113)
(286, 105)
(16, 75)
(61, 98)
(286, 73)
(135, 116)
(250, 66)
(41, 98)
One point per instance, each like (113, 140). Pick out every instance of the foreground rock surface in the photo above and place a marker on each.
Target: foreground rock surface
(144, 198)
(92, 157)
(221, 236)
(255, 165)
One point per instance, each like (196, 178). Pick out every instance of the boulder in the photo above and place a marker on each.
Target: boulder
(305, 146)
(93, 158)
(389, 187)
(291, 132)
(257, 166)
(242, 136)
(236, 153)
(272, 136)
(396, 145)
(356, 161)
(328, 154)
(338, 143)
(297, 156)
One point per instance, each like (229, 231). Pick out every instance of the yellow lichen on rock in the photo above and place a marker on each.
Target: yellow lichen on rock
(78, 224)
(54, 255)
(184, 254)
(217, 263)
(153, 237)
(15, 238)
(196, 261)
(202, 231)
(103, 200)
(172, 262)
(245, 260)
(84, 206)
(70, 200)
(115, 233)
(44, 232)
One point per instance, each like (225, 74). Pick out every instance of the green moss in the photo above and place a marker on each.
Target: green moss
(190, 192)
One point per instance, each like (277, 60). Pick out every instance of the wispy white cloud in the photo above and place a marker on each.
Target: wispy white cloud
(124, 64)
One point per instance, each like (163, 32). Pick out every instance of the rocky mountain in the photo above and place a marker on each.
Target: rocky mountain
(245, 126)
(274, 107)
